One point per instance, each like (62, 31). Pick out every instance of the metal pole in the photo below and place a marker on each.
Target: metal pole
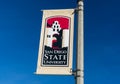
(80, 45)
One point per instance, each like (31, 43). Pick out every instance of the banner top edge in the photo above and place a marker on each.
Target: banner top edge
(56, 9)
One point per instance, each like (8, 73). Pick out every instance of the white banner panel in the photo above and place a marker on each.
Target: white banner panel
(56, 42)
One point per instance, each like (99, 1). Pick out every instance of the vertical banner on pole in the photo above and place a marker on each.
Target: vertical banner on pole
(56, 42)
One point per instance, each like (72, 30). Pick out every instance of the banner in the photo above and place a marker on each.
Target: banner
(56, 42)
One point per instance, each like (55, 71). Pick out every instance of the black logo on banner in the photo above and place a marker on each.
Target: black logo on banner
(56, 42)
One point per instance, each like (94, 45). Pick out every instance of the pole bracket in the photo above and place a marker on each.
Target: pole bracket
(76, 10)
(74, 72)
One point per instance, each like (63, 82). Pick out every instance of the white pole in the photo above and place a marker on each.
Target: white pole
(80, 45)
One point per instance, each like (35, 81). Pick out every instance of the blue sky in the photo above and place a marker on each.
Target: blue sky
(20, 22)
